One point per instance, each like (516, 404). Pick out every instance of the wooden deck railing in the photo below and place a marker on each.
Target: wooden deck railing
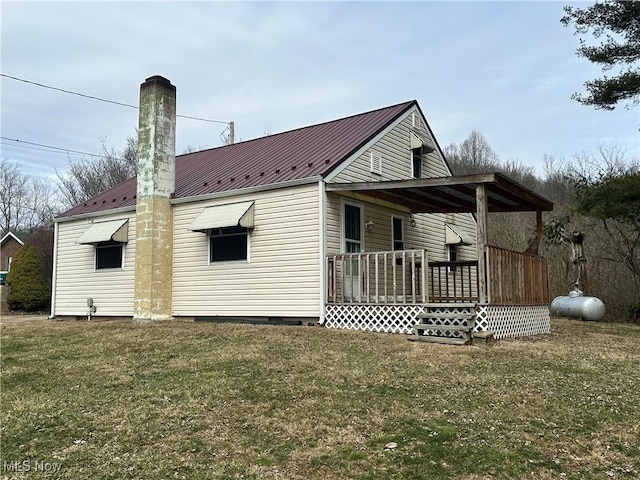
(405, 277)
(516, 278)
(377, 277)
(453, 282)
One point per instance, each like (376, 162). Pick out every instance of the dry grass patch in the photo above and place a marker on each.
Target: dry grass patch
(196, 401)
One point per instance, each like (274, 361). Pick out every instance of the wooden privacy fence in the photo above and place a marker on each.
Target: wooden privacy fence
(516, 278)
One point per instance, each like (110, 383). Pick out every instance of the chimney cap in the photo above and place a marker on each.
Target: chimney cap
(157, 80)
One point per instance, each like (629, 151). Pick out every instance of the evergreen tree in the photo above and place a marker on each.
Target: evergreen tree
(28, 289)
(618, 21)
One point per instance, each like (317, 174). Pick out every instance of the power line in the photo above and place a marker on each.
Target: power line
(50, 148)
(91, 97)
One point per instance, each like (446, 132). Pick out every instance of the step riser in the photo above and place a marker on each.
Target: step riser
(431, 321)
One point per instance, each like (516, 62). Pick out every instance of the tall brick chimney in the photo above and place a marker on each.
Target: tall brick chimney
(154, 215)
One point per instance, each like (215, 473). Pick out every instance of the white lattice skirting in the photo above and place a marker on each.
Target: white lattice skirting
(505, 321)
(508, 321)
(373, 318)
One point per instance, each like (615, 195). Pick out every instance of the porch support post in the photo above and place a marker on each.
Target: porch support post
(482, 214)
(538, 229)
(534, 247)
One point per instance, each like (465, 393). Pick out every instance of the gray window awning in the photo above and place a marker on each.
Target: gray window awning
(220, 216)
(417, 142)
(111, 231)
(455, 237)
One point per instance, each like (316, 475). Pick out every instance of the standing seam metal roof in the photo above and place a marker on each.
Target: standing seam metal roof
(296, 154)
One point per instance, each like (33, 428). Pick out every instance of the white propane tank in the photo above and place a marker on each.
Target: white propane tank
(577, 305)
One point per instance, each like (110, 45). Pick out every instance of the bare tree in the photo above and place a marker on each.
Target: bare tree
(13, 187)
(473, 155)
(26, 203)
(600, 198)
(88, 177)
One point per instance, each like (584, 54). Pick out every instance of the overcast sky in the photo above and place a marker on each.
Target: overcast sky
(506, 69)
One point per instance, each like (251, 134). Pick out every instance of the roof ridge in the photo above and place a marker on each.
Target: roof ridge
(388, 107)
(310, 151)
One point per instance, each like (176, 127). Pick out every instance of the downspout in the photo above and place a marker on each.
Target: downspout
(321, 249)
(54, 279)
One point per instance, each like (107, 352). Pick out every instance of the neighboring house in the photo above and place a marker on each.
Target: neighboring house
(355, 223)
(9, 246)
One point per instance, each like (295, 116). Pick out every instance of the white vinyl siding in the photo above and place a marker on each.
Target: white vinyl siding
(281, 278)
(432, 226)
(77, 278)
(395, 148)
(428, 232)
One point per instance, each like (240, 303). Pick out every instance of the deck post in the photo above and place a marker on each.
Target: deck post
(424, 270)
(482, 213)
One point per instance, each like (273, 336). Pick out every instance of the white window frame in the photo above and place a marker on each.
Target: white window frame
(452, 247)
(343, 240)
(413, 170)
(103, 245)
(211, 236)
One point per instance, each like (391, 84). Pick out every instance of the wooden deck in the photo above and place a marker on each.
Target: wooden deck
(407, 277)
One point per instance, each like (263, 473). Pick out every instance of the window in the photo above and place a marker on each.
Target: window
(109, 255)
(452, 254)
(398, 234)
(353, 243)
(398, 237)
(417, 162)
(352, 228)
(228, 243)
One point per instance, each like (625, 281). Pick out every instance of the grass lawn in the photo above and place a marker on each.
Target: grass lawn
(192, 401)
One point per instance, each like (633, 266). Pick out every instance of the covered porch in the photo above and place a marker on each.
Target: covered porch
(507, 291)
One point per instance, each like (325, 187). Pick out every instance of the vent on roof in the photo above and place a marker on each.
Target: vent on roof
(376, 163)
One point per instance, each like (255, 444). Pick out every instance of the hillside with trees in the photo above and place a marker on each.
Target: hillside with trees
(597, 195)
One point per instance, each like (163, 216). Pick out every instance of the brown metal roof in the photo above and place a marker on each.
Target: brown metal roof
(452, 194)
(296, 154)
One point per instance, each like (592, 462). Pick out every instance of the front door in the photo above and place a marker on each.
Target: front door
(352, 229)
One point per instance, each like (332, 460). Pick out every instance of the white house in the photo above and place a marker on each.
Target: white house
(354, 223)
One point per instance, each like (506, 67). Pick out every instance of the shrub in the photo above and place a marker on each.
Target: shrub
(28, 289)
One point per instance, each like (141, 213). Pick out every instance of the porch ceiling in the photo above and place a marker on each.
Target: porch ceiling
(451, 194)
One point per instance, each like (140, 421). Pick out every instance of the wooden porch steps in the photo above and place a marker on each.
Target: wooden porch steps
(437, 339)
(449, 323)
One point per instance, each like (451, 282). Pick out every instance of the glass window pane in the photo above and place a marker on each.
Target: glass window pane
(417, 163)
(398, 238)
(228, 247)
(108, 256)
(352, 222)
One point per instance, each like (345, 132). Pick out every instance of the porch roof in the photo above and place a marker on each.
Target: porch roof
(455, 194)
